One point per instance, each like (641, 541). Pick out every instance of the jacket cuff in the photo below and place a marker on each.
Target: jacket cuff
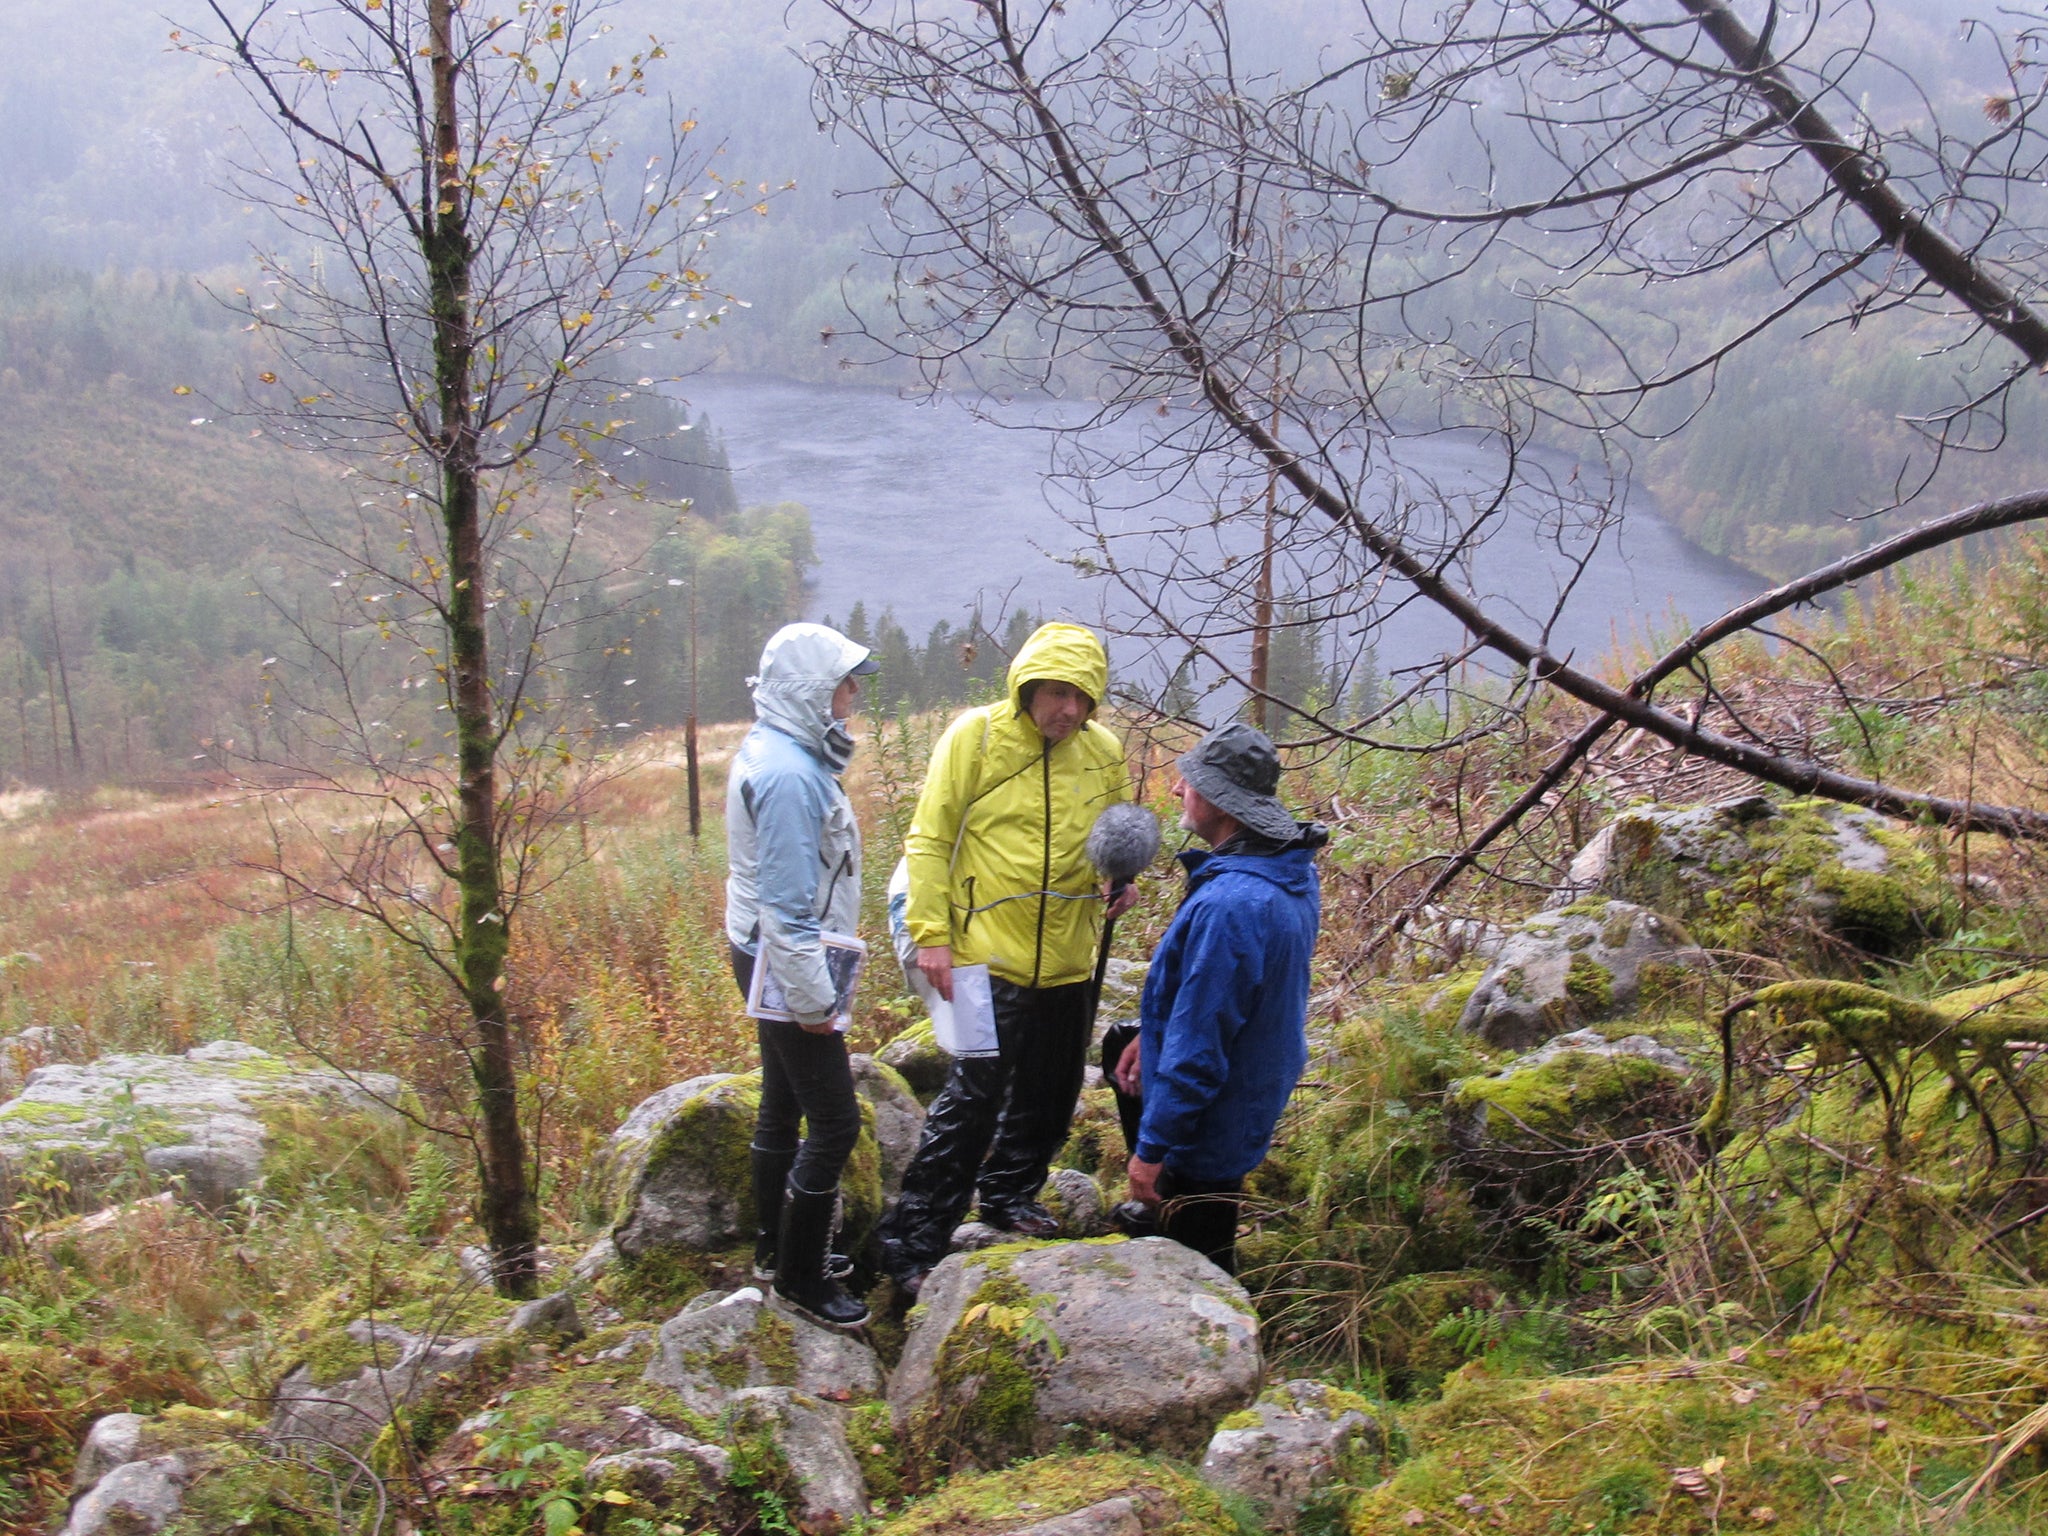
(1150, 1151)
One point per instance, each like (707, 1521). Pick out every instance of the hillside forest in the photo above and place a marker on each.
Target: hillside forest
(1669, 1160)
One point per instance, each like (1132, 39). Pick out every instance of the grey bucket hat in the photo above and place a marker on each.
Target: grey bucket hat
(1236, 769)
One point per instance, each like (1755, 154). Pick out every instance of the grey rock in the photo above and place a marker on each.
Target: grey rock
(612, 1170)
(112, 1442)
(632, 1344)
(811, 1435)
(674, 1196)
(898, 1117)
(973, 1236)
(1077, 1200)
(1590, 1042)
(136, 1499)
(1140, 1512)
(198, 1118)
(1303, 1442)
(597, 1258)
(1123, 985)
(1673, 858)
(1572, 966)
(349, 1414)
(1154, 1345)
(915, 1056)
(704, 1354)
(553, 1315)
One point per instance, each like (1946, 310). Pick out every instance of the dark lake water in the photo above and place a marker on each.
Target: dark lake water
(920, 506)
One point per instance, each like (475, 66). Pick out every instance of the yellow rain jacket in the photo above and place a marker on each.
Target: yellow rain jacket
(997, 849)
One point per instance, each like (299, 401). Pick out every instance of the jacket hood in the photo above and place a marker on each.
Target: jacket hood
(1293, 868)
(1064, 653)
(801, 666)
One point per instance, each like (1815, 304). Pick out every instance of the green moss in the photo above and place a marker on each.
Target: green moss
(237, 1486)
(1618, 930)
(37, 1112)
(314, 1150)
(1874, 911)
(1571, 1088)
(1589, 985)
(709, 1135)
(1054, 1486)
(871, 1434)
(984, 1411)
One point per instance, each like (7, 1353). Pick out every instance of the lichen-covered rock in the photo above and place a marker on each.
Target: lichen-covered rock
(684, 1170)
(1016, 1349)
(554, 1316)
(1077, 1200)
(1289, 1447)
(716, 1347)
(1123, 985)
(1550, 1119)
(136, 1499)
(617, 1163)
(898, 1116)
(1572, 966)
(112, 1442)
(808, 1434)
(213, 1123)
(915, 1055)
(1790, 878)
(1097, 1493)
(348, 1413)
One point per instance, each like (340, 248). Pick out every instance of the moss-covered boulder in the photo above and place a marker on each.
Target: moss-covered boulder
(1573, 966)
(342, 1400)
(916, 1056)
(1019, 1349)
(687, 1185)
(1549, 1120)
(187, 1470)
(218, 1122)
(1808, 880)
(720, 1345)
(1101, 1492)
(1287, 1451)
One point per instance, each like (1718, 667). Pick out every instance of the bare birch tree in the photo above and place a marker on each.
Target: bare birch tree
(470, 256)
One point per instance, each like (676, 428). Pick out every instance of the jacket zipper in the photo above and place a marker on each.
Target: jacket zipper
(1045, 868)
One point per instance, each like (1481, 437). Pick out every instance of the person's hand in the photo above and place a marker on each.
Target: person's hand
(822, 1027)
(1127, 1069)
(1144, 1180)
(937, 965)
(1119, 902)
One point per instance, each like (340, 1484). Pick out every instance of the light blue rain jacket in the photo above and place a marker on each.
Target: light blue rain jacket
(791, 840)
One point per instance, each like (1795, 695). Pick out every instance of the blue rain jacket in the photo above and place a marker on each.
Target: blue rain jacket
(1222, 1019)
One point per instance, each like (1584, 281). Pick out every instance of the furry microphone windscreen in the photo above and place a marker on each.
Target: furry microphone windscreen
(1124, 839)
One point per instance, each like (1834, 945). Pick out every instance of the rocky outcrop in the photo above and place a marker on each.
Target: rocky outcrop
(1290, 1447)
(136, 1499)
(1016, 1349)
(209, 1124)
(679, 1166)
(1760, 874)
(1573, 966)
(345, 1409)
(915, 1055)
(808, 1434)
(721, 1344)
(1550, 1119)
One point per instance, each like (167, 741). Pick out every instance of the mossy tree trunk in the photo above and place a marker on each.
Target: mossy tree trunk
(510, 1215)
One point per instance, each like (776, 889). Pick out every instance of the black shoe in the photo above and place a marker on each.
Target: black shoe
(1027, 1220)
(800, 1278)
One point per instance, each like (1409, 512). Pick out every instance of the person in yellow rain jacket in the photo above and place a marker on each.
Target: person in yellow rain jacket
(999, 876)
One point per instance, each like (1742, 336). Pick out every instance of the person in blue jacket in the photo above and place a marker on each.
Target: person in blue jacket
(793, 853)
(1221, 1040)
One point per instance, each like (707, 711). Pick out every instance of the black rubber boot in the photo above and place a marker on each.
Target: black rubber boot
(800, 1277)
(771, 1177)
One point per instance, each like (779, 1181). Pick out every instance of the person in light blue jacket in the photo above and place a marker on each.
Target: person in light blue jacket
(793, 850)
(1222, 1040)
